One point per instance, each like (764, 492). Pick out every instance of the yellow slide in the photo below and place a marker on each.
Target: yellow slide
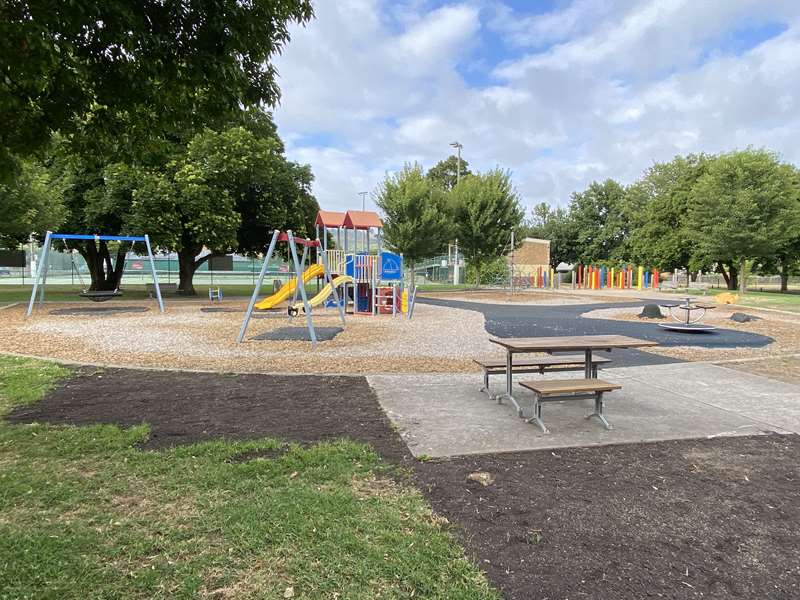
(323, 293)
(287, 290)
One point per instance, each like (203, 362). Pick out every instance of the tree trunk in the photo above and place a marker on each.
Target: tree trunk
(186, 269)
(743, 276)
(105, 274)
(784, 272)
(731, 276)
(477, 274)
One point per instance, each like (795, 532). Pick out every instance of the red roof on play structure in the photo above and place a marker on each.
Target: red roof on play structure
(357, 219)
(329, 218)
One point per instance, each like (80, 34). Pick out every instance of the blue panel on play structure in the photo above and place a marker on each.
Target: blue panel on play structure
(348, 265)
(391, 266)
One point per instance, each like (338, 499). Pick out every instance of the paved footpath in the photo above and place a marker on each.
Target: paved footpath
(446, 415)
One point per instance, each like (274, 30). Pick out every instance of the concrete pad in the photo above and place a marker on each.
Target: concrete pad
(446, 415)
(769, 401)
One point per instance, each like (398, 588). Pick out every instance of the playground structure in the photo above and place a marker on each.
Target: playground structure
(93, 295)
(375, 284)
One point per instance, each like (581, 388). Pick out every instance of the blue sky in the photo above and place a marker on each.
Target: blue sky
(559, 92)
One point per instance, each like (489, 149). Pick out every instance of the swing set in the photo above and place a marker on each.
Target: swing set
(93, 295)
(293, 242)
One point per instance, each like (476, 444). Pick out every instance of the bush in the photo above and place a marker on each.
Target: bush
(494, 272)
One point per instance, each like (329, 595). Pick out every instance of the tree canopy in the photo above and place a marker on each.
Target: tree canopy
(417, 219)
(32, 202)
(228, 192)
(122, 72)
(445, 173)
(486, 209)
(555, 225)
(744, 206)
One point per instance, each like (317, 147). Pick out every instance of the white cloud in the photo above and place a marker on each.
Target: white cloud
(368, 87)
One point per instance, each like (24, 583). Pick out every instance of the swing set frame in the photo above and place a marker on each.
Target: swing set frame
(293, 241)
(42, 268)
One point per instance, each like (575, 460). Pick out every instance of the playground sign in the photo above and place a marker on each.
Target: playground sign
(391, 266)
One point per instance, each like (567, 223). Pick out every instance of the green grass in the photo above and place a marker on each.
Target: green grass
(789, 301)
(83, 513)
(64, 292)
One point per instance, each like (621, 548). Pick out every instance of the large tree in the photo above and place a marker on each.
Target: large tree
(228, 192)
(447, 172)
(661, 235)
(601, 217)
(116, 73)
(417, 221)
(744, 207)
(486, 209)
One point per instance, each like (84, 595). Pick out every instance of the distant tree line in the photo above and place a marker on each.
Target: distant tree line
(726, 213)
(423, 212)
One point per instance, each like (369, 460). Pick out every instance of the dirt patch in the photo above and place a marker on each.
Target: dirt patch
(782, 368)
(687, 519)
(182, 408)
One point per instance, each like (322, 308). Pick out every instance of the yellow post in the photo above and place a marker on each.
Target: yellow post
(612, 278)
(552, 277)
(404, 302)
(640, 278)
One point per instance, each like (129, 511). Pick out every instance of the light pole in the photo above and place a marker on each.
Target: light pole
(363, 200)
(457, 146)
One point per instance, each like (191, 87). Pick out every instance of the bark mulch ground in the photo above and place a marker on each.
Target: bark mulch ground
(688, 519)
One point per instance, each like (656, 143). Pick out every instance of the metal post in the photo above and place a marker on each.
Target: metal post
(512, 263)
(153, 269)
(302, 266)
(43, 255)
(45, 270)
(257, 288)
(327, 276)
(306, 305)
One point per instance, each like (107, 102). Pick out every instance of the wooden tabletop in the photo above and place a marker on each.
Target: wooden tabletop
(571, 343)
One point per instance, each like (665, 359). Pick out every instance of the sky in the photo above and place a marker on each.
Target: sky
(558, 92)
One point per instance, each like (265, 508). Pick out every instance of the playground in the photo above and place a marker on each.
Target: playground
(337, 399)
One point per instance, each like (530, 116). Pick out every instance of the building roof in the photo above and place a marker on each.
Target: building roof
(330, 218)
(357, 219)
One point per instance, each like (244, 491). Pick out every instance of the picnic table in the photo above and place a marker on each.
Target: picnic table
(583, 343)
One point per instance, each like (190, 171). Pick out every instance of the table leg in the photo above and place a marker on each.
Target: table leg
(537, 415)
(598, 411)
(510, 383)
(587, 365)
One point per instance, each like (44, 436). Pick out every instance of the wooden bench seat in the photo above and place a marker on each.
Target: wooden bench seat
(539, 364)
(556, 390)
